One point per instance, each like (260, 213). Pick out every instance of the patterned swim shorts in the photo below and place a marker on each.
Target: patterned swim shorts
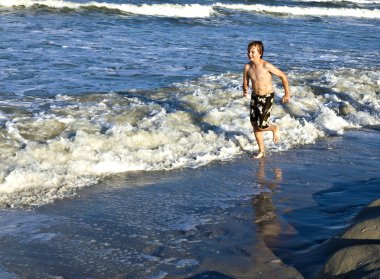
(260, 108)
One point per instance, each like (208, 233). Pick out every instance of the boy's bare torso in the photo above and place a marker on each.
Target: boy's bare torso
(260, 77)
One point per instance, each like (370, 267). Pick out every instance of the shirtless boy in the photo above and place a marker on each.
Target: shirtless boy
(260, 72)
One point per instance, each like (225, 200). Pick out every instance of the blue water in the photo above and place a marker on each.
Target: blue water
(47, 51)
(111, 87)
(92, 93)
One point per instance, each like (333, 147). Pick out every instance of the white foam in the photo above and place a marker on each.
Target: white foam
(196, 10)
(79, 141)
(188, 223)
(165, 10)
(302, 11)
(328, 121)
(186, 263)
(339, 2)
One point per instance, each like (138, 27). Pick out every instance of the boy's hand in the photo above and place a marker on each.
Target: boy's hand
(285, 99)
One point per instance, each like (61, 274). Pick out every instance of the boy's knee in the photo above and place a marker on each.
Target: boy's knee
(256, 128)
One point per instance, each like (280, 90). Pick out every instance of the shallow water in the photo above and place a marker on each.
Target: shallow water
(181, 223)
(125, 139)
(93, 89)
(343, 175)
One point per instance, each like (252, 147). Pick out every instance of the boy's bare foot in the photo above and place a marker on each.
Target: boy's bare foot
(276, 134)
(260, 155)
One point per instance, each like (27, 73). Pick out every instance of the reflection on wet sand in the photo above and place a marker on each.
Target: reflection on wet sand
(265, 215)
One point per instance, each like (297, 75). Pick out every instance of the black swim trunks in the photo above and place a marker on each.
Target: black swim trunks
(260, 108)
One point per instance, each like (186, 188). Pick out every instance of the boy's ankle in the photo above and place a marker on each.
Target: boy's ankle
(259, 155)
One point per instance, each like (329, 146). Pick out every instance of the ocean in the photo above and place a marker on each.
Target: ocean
(103, 93)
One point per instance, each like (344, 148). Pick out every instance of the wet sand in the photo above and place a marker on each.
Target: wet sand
(346, 171)
(269, 218)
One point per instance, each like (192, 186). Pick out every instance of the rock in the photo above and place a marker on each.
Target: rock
(366, 225)
(359, 261)
(368, 229)
(356, 252)
(371, 211)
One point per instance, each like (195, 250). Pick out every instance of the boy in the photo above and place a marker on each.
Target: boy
(260, 72)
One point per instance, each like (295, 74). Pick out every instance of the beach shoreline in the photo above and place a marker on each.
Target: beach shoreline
(126, 144)
(355, 252)
(239, 219)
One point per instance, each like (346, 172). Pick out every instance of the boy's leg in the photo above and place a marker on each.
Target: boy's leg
(276, 133)
(260, 142)
(275, 130)
(260, 138)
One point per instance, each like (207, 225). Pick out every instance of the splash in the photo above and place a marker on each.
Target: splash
(196, 10)
(79, 140)
(301, 11)
(346, 1)
(163, 10)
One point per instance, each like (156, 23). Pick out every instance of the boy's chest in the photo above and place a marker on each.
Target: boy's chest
(259, 74)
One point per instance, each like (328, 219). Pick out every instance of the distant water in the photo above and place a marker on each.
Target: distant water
(88, 89)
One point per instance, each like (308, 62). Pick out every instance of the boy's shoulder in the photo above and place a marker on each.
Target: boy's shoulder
(264, 62)
(247, 66)
(267, 65)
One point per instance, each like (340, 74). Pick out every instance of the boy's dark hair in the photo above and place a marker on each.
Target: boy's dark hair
(259, 45)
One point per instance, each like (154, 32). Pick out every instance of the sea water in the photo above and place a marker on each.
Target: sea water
(186, 222)
(89, 89)
(93, 92)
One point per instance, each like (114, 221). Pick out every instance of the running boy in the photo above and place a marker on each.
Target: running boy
(260, 72)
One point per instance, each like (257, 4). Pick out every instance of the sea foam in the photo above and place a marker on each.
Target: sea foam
(197, 10)
(164, 10)
(346, 1)
(305, 11)
(81, 139)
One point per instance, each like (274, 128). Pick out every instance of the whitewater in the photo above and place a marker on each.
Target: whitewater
(95, 89)
(196, 10)
(79, 140)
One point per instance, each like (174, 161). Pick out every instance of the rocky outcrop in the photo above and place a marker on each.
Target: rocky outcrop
(359, 253)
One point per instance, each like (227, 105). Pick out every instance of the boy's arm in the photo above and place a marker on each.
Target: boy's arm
(245, 80)
(285, 83)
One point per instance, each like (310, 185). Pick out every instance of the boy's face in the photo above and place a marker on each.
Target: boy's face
(253, 53)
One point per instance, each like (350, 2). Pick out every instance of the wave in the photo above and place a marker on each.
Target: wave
(301, 11)
(196, 10)
(164, 10)
(345, 1)
(49, 155)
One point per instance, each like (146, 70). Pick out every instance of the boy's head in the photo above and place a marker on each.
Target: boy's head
(259, 45)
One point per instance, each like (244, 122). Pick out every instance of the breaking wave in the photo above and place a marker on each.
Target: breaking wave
(197, 10)
(345, 1)
(302, 11)
(78, 140)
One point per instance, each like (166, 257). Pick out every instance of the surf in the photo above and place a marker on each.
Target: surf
(81, 139)
(304, 11)
(196, 10)
(160, 10)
